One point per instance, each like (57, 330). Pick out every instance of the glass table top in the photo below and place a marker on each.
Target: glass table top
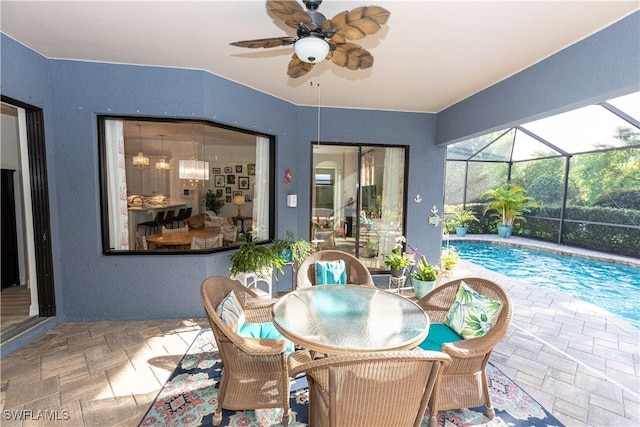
(338, 319)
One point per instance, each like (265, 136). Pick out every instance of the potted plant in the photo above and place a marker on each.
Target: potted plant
(292, 250)
(212, 202)
(254, 258)
(396, 259)
(508, 202)
(448, 260)
(370, 249)
(460, 218)
(423, 278)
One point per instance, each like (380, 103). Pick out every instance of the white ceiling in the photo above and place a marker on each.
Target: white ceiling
(429, 55)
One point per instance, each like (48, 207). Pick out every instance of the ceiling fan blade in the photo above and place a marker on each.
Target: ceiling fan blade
(291, 13)
(265, 43)
(351, 56)
(358, 23)
(297, 67)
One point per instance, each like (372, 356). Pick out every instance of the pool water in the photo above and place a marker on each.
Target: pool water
(612, 286)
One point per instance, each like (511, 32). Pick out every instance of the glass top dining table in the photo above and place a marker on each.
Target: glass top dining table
(340, 319)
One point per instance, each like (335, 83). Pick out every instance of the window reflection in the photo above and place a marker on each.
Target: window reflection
(183, 185)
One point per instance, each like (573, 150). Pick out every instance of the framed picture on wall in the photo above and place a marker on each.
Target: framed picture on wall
(228, 169)
(231, 179)
(219, 180)
(227, 190)
(219, 192)
(237, 193)
(216, 171)
(248, 198)
(227, 199)
(243, 182)
(238, 168)
(251, 169)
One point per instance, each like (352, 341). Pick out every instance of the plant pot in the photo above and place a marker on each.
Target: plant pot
(421, 288)
(397, 272)
(505, 230)
(286, 255)
(461, 231)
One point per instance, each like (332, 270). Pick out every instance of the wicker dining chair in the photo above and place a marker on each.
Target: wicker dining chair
(463, 384)
(357, 273)
(255, 371)
(369, 389)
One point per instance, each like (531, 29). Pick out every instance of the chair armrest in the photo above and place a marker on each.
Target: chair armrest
(298, 362)
(468, 348)
(262, 346)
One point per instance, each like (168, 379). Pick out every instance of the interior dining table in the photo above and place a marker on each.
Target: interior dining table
(342, 319)
(180, 238)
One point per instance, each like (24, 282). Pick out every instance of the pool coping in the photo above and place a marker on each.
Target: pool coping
(538, 244)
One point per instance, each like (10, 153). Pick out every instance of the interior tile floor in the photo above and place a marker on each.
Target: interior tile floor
(580, 362)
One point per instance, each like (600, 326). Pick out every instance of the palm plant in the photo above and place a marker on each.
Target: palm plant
(509, 202)
(460, 217)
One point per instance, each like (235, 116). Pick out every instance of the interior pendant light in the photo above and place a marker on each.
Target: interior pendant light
(193, 170)
(140, 160)
(162, 164)
(311, 49)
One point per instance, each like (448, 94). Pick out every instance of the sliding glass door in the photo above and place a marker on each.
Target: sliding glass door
(358, 199)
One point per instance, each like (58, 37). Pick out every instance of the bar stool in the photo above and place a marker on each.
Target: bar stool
(169, 218)
(154, 224)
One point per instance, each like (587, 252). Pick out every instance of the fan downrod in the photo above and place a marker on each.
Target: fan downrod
(312, 5)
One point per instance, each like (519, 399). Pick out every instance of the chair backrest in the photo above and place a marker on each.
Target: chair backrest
(438, 302)
(160, 215)
(207, 242)
(181, 214)
(357, 273)
(166, 230)
(141, 243)
(373, 389)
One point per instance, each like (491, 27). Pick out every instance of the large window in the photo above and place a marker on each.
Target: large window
(358, 199)
(183, 186)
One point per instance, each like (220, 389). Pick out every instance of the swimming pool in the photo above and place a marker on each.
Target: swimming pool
(612, 286)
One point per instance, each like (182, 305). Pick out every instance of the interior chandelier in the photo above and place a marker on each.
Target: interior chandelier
(193, 170)
(140, 160)
(162, 164)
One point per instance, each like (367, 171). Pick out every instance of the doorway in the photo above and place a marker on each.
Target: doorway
(358, 201)
(27, 290)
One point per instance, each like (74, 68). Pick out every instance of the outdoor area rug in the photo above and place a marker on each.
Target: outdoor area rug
(189, 398)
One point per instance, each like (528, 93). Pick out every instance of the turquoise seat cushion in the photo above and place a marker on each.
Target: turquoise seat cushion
(439, 334)
(264, 330)
(331, 272)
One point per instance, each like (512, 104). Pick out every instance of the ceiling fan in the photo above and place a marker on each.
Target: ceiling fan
(320, 38)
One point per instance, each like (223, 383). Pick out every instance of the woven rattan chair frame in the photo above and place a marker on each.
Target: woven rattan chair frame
(357, 273)
(369, 389)
(463, 384)
(255, 371)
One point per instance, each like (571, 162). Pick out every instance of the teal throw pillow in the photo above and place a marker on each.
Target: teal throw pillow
(331, 272)
(472, 315)
(231, 312)
(264, 330)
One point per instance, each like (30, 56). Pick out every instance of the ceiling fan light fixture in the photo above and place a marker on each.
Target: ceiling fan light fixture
(311, 49)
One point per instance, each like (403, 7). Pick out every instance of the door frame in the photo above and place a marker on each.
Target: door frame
(39, 245)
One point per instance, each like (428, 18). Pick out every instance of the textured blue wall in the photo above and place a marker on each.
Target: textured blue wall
(96, 287)
(602, 66)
